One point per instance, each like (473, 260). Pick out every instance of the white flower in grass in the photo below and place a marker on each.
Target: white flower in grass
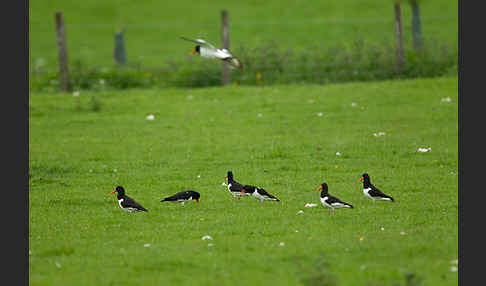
(423, 150)
(379, 134)
(296, 230)
(102, 81)
(338, 153)
(310, 205)
(146, 245)
(402, 233)
(282, 243)
(259, 115)
(210, 244)
(115, 170)
(453, 269)
(362, 267)
(382, 228)
(446, 99)
(189, 97)
(76, 93)
(319, 114)
(206, 237)
(354, 104)
(58, 265)
(198, 176)
(150, 117)
(300, 212)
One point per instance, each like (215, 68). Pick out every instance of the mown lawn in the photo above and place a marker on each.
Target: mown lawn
(268, 136)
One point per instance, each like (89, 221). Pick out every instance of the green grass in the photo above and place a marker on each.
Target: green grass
(152, 28)
(78, 235)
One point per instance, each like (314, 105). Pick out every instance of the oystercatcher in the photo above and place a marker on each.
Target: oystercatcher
(234, 187)
(183, 196)
(126, 203)
(258, 193)
(373, 192)
(331, 202)
(207, 50)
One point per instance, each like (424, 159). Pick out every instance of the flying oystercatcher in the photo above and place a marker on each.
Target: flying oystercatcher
(259, 194)
(234, 187)
(373, 192)
(183, 196)
(331, 202)
(126, 203)
(207, 50)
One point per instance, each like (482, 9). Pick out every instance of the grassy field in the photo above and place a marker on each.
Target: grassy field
(152, 28)
(283, 138)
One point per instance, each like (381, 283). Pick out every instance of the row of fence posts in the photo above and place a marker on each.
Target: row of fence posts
(119, 53)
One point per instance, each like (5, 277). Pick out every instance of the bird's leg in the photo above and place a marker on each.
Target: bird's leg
(334, 210)
(328, 211)
(262, 202)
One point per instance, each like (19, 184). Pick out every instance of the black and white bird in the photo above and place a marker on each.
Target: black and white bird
(259, 194)
(234, 187)
(183, 197)
(332, 203)
(373, 192)
(206, 50)
(126, 203)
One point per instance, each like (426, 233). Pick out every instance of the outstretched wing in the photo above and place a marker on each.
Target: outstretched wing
(199, 41)
(234, 62)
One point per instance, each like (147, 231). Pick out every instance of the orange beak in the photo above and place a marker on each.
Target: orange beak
(318, 189)
(360, 179)
(192, 52)
(114, 191)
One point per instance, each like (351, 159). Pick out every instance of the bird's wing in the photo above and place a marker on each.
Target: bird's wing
(199, 41)
(236, 187)
(264, 193)
(129, 202)
(375, 192)
(333, 200)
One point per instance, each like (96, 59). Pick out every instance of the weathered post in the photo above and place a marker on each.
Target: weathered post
(416, 26)
(119, 51)
(399, 34)
(62, 51)
(226, 71)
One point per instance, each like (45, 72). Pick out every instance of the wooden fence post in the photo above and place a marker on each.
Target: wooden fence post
(416, 26)
(226, 71)
(62, 51)
(399, 34)
(119, 51)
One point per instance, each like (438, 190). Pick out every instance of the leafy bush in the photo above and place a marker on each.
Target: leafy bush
(268, 64)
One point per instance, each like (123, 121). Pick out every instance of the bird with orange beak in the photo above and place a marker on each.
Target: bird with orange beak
(332, 203)
(373, 192)
(206, 50)
(126, 203)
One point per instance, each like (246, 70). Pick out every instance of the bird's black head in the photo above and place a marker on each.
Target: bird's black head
(366, 178)
(230, 176)
(119, 190)
(196, 196)
(197, 49)
(323, 187)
